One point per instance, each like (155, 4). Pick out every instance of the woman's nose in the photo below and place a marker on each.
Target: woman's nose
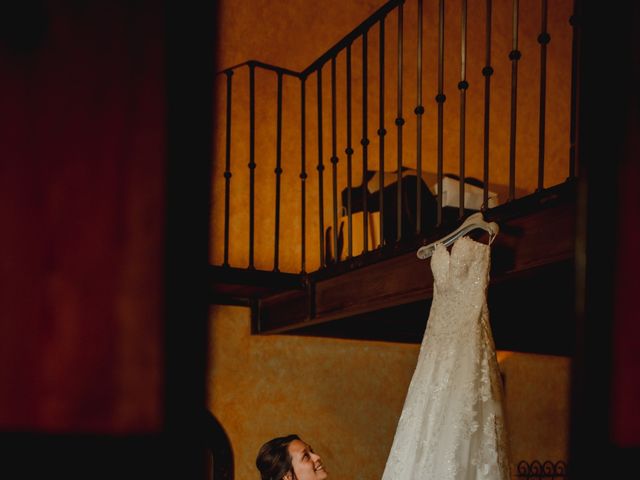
(315, 457)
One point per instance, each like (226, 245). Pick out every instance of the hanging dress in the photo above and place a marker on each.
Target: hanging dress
(452, 424)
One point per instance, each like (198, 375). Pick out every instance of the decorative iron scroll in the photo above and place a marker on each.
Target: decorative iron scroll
(542, 470)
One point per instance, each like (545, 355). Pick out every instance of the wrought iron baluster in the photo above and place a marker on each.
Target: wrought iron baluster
(381, 134)
(514, 56)
(278, 172)
(349, 152)
(462, 86)
(543, 39)
(487, 71)
(419, 111)
(227, 170)
(303, 175)
(440, 99)
(334, 159)
(365, 143)
(575, 86)
(399, 124)
(320, 169)
(252, 162)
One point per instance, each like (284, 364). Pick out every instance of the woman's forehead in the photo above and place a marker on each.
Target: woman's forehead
(297, 447)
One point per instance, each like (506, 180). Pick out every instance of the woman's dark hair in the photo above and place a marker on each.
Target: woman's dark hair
(273, 460)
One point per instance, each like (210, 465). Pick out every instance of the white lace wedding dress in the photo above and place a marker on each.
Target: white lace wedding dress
(452, 424)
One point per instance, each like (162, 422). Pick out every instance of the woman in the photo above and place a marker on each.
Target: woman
(289, 458)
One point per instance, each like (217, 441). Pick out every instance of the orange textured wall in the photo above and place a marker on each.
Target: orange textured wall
(537, 405)
(345, 397)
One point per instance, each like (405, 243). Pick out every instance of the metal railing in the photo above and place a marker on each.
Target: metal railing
(377, 27)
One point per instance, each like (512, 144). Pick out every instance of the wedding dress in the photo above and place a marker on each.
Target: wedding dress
(452, 424)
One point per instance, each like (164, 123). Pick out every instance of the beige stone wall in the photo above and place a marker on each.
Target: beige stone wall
(345, 397)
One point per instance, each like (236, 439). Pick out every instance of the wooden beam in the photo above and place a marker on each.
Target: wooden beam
(238, 286)
(532, 258)
(531, 312)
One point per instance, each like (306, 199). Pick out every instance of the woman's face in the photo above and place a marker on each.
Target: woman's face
(306, 464)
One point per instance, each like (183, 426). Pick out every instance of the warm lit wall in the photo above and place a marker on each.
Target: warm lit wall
(537, 400)
(334, 393)
(345, 397)
(295, 36)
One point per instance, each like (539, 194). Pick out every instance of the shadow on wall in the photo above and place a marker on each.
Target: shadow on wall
(537, 406)
(219, 451)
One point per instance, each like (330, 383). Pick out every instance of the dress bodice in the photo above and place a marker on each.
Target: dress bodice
(460, 282)
(466, 266)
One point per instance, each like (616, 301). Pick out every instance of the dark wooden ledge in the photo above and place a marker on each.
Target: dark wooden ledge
(530, 295)
(385, 295)
(242, 286)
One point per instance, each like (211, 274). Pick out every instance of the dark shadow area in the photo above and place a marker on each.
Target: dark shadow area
(217, 442)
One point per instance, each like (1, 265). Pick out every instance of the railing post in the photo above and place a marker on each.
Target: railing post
(227, 170)
(487, 71)
(278, 172)
(365, 144)
(399, 124)
(514, 56)
(252, 162)
(419, 111)
(349, 152)
(440, 99)
(334, 159)
(575, 88)
(303, 175)
(320, 169)
(543, 39)
(462, 86)
(381, 133)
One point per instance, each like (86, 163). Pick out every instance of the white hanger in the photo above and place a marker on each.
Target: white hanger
(471, 223)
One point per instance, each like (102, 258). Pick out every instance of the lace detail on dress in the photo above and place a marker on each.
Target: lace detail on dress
(452, 425)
